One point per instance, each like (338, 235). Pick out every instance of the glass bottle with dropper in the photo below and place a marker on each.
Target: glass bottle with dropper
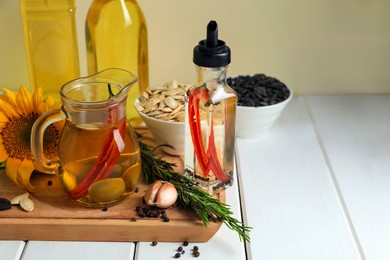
(210, 117)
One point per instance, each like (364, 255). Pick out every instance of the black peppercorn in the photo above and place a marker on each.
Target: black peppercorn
(104, 209)
(195, 248)
(196, 254)
(180, 248)
(185, 243)
(177, 255)
(50, 182)
(154, 243)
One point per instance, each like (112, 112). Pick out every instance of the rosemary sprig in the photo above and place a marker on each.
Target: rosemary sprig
(207, 208)
(110, 94)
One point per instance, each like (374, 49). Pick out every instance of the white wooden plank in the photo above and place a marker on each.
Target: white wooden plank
(11, 249)
(62, 250)
(288, 194)
(224, 245)
(355, 131)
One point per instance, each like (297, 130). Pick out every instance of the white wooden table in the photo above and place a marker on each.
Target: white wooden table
(317, 187)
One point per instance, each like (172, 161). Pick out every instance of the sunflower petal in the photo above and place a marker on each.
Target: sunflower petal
(45, 106)
(3, 118)
(10, 97)
(49, 104)
(3, 153)
(7, 109)
(24, 99)
(25, 169)
(11, 169)
(37, 100)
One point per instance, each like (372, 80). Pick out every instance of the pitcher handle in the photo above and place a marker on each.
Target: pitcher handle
(42, 163)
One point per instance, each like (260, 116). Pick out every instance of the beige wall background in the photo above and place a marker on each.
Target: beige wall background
(314, 46)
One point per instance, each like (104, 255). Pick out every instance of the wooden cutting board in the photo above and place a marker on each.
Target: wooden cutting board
(55, 217)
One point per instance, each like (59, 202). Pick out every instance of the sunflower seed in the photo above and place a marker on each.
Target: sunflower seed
(5, 206)
(16, 200)
(26, 204)
(4, 200)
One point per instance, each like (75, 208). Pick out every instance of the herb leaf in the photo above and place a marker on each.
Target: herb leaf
(207, 208)
(110, 94)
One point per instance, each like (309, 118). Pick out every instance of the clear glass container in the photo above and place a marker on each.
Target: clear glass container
(99, 160)
(210, 130)
(51, 43)
(116, 37)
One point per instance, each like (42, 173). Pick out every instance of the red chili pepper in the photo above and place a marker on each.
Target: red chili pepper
(207, 161)
(196, 133)
(104, 164)
(214, 163)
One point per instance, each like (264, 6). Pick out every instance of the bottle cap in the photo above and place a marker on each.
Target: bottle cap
(212, 52)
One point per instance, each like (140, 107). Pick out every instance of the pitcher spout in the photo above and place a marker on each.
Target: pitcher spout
(109, 84)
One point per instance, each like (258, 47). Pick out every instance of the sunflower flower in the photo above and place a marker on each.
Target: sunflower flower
(18, 112)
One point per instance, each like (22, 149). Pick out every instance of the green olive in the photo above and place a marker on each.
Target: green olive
(107, 190)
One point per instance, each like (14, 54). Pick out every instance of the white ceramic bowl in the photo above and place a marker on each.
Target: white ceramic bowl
(255, 122)
(165, 132)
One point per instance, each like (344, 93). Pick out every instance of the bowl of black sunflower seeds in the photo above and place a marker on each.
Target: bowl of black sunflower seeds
(261, 100)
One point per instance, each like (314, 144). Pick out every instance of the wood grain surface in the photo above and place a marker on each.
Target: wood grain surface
(55, 217)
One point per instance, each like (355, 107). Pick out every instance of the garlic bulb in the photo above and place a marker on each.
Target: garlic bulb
(161, 194)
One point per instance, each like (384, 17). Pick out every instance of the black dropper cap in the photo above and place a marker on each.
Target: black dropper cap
(212, 52)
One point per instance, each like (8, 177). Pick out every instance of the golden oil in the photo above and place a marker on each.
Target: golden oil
(51, 43)
(116, 37)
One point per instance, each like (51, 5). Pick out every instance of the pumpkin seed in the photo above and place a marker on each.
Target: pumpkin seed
(164, 102)
(170, 102)
(16, 200)
(26, 204)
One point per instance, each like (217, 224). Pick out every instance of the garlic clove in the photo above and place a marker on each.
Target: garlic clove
(151, 193)
(166, 196)
(161, 194)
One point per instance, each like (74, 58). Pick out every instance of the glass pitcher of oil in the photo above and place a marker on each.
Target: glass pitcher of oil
(99, 159)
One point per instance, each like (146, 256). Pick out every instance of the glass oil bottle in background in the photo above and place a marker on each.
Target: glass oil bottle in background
(210, 117)
(116, 36)
(51, 43)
